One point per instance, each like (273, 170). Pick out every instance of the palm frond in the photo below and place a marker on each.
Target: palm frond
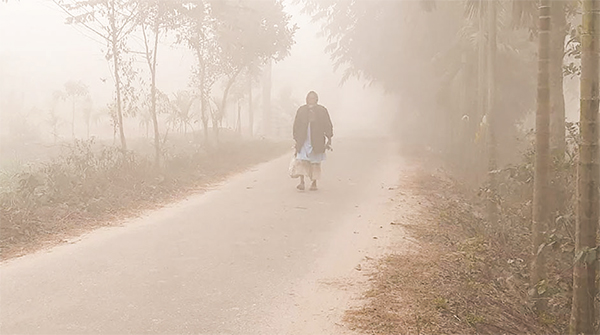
(524, 13)
(474, 7)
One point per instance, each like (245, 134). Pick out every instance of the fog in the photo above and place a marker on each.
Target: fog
(39, 53)
(165, 167)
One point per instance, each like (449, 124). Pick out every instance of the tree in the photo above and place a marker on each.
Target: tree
(542, 156)
(228, 37)
(252, 73)
(560, 12)
(558, 9)
(266, 97)
(198, 33)
(181, 116)
(251, 32)
(75, 90)
(491, 112)
(87, 109)
(361, 49)
(113, 21)
(53, 119)
(583, 313)
(284, 109)
(242, 91)
(490, 88)
(157, 17)
(222, 105)
(443, 57)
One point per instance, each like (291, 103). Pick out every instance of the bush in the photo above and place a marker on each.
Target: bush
(91, 182)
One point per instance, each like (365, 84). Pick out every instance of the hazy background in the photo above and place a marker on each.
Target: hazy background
(39, 53)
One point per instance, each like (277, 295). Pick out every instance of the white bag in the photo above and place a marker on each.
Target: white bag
(292, 170)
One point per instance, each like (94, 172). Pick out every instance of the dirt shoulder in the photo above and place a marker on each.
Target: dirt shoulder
(83, 191)
(457, 279)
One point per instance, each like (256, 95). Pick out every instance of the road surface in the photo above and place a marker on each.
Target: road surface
(253, 255)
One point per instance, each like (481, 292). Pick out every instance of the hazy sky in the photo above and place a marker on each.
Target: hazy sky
(39, 53)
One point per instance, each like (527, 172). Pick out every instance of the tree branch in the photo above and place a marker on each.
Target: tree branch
(131, 16)
(82, 23)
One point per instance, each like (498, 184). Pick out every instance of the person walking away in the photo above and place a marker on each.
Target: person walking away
(312, 133)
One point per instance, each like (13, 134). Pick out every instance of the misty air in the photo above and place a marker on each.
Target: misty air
(299, 167)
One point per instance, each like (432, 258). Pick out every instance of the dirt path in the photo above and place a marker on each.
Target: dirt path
(252, 256)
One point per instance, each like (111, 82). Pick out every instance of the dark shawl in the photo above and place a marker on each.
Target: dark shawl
(320, 128)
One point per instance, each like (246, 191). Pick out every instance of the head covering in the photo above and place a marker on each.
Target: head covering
(312, 93)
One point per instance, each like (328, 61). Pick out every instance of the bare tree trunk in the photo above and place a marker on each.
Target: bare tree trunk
(250, 109)
(481, 87)
(204, 111)
(152, 65)
(557, 112)
(557, 98)
(267, 99)
(221, 112)
(115, 55)
(216, 126)
(542, 157)
(463, 145)
(239, 118)
(491, 111)
(583, 314)
(203, 95)
(226, 92)
(204, 123)
(153, 93)
(73, 119)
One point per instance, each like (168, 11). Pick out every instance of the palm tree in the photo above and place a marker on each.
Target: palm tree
(182, 116)
(583, 314)
(491, 113)
(542, 155)
(560, 11)
(558, 33)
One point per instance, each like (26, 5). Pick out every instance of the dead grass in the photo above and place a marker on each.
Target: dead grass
(82, 191)
(465, 279)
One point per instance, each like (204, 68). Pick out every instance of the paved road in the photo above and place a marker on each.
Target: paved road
(228, 261)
